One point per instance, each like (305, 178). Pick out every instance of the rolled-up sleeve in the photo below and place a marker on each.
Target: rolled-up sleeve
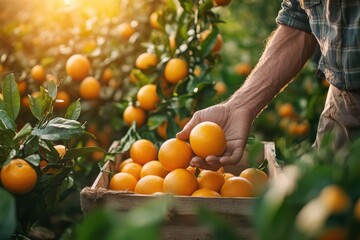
(292, 15)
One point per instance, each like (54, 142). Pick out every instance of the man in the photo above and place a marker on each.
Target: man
(332, 24)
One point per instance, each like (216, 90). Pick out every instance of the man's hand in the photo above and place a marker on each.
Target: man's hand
(236, 124)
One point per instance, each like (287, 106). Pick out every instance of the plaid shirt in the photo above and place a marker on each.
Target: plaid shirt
(336, 25)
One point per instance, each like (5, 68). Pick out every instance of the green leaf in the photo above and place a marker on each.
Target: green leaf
(7, 214)
(208, 44)
(24, 131)
(52, 90)
(2, 104)
(34, 159)
(66, 184)
(74, 110)
(6, 122)
(11, 96)
(6, 136)
(59, 129)
(35, 106)
(126, 141)
(31, 145)
(78, 152)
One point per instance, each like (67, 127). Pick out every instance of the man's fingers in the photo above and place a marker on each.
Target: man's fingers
(200, 163)
(185, 132)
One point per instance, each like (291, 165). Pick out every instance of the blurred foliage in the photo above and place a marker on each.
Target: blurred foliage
(296, 205)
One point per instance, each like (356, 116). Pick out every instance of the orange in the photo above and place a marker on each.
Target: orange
(220, 87)
(176, 69)
(107, 75)
(335, 199)
(175, 153)
(18, 176)
(42, 164)
(172, 42)
(89, 88)
(143, 151)
(257, 177)
(222, 2)
(207, 138)
(62, 100)
(61, 149)
(218, 43)
(132, 168)
(181, 122)
(180, 182)
(357, 210)
(228, 175)
(78, 67)
(123, 182)
(96, 155)
(204, 192)
(153, 20)
(136, 114)
(162, 130)
(237, 187)
(286, 110)
(191, 169)
(126, 30)
(22, 86)
(211, 180)
(242, 69)
(153, 167)
(146, 60)
(333, 233)
(147, 97)
(133, 78)
(123, 163)
(38, 74)
(150, 184)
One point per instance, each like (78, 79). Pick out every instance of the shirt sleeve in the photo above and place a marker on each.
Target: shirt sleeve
(292, 15)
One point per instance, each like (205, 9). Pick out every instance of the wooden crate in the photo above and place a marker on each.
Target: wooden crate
(182, 223)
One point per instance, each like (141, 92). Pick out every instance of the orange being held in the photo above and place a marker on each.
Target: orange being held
(175, 153)
(212, 180)
(132, 113)
(78, 67)
(123, 182)
(207, 138)
(18, 176)
(150, 184)
(147, 97)
(237, 187)
(143, 151)
(176, 69)
(180, 182)
(153, 167)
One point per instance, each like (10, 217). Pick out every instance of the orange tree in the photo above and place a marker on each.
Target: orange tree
(171, 78)
(38, 162)
(37, 39)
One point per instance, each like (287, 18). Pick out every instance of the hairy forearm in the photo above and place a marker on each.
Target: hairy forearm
(285, 54)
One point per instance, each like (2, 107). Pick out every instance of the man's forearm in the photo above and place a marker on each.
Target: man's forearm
(285, 54)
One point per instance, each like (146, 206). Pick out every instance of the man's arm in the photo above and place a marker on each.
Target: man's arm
(285, 54)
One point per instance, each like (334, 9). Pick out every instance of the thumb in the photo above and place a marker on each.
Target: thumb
(185, 132)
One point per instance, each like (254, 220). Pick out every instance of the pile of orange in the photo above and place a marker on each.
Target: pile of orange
(150, 170)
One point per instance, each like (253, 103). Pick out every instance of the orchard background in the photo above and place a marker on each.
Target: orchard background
(37, 39)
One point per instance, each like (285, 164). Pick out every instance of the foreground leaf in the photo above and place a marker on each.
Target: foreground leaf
(11, 96)
(59, 129)
(7, 214)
